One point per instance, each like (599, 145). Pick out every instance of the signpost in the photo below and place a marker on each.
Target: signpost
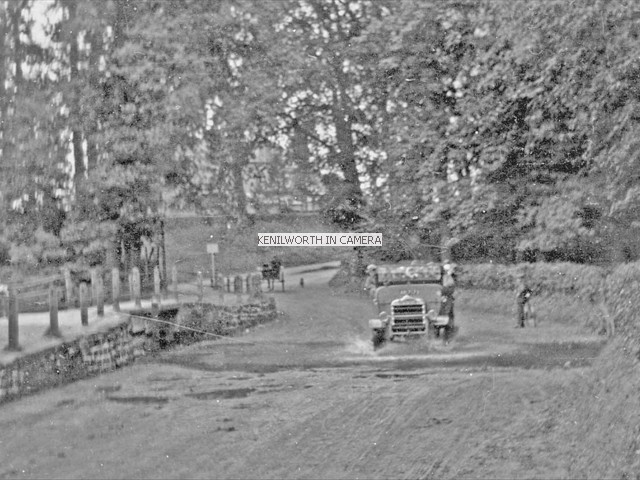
(212, 249)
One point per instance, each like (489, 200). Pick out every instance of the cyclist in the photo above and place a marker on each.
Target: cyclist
(522, 303)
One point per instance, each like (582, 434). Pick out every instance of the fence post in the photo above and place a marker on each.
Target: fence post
(200, 287)
(94, 286)
(135, 276)
(237, 284)
(84, 307)
(100, 295)
(54, 328)
(155, 303)
(68, 285)
(14, 309)
(156, 282)
(257, 285)
(174, 282)
(115, 288)
(214, 283)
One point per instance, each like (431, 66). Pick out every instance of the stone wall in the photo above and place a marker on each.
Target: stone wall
(80, 358)
(200, 321)
(105, 351)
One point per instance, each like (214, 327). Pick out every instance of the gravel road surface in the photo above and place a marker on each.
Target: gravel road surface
(307, 397)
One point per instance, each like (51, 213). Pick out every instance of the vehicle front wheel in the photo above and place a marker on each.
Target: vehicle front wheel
(450, 332)
(433, 331)
(378, 338)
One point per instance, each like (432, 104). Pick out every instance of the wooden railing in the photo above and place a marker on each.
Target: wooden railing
(56, 292)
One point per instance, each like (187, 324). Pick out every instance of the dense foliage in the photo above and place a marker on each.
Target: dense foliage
(439, 123)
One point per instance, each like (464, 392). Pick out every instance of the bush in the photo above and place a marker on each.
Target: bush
(54, 257)
(95, 253)
(622, 293)
(43, 251)
(586, 281)
(5, 253)
(24, 257)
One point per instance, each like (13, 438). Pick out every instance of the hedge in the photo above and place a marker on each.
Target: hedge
(616, 287)
(543, 278)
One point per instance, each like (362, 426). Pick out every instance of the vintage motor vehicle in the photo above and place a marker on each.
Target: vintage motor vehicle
(408, 302)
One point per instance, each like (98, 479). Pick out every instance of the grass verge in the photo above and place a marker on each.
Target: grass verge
(186, 244)
(554, 308)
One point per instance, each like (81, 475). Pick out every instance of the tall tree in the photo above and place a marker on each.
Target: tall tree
(31, 173)
(328, 90)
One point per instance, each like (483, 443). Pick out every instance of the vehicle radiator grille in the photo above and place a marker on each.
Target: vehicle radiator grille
(407, 309)
(408, 319)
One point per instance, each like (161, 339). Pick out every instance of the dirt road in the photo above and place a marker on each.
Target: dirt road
(306, 397)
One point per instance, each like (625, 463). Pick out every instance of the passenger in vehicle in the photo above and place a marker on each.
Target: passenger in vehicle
(371, 282)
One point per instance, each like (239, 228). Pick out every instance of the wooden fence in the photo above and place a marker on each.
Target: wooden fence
(57, 292)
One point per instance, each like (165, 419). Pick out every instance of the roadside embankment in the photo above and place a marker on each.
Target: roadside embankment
(606, 411)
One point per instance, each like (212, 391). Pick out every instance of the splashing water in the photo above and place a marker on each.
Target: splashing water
(360, 346)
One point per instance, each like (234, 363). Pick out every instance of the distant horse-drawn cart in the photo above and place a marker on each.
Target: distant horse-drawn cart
(272, 273)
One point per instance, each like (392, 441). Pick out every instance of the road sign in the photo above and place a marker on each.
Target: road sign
(212, 248)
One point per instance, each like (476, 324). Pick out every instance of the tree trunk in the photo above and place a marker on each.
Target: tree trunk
(346, 155)
(445, 239)
(346, 150)
(3, 104)
(3, 71)
(16, 21)
(237, 170)
(11, 25)
(119, 26)
(95, 39)
(134, 256)
(74, 107)
(112, 255)
(124, 255)
(163, 251)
